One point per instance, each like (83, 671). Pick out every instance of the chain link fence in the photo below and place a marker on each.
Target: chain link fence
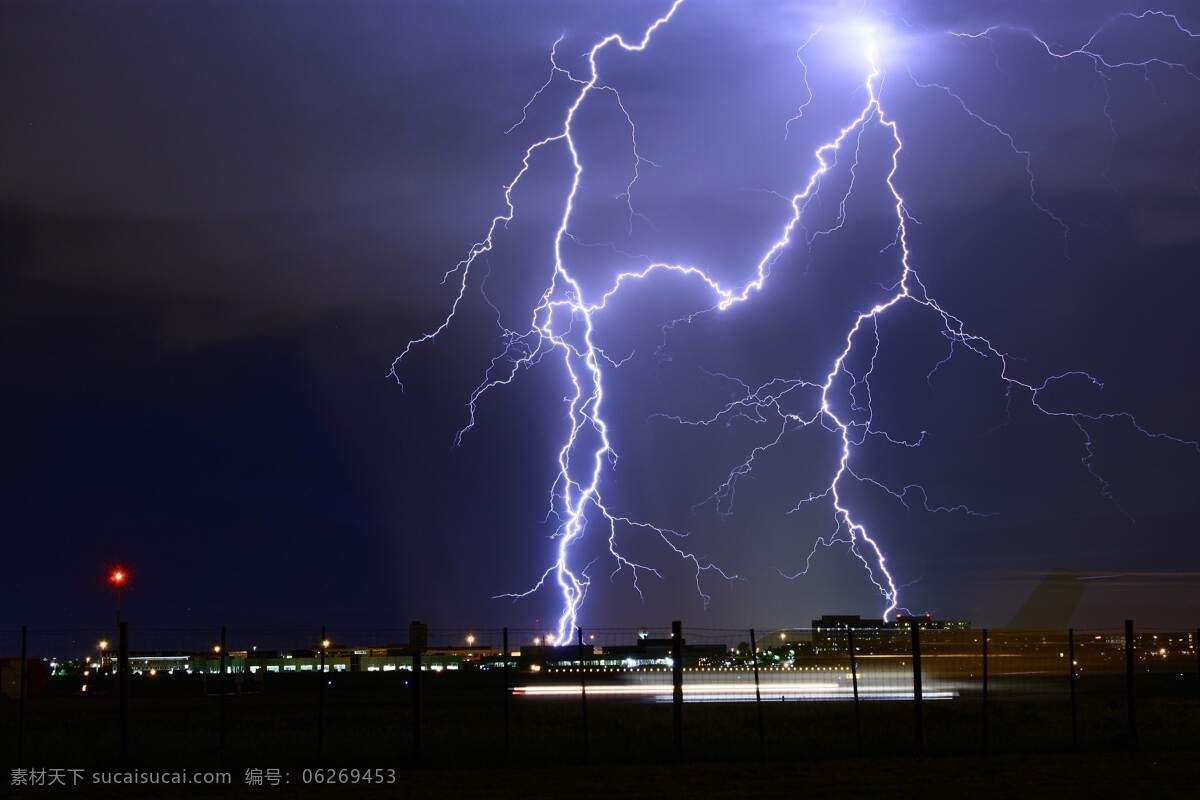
(498, 695)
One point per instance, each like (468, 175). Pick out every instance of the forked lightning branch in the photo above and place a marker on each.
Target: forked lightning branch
(563, 324)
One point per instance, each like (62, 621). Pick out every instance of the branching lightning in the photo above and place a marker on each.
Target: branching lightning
(808, 92)
(1101, 64)
(1088, 48)
(562, 325)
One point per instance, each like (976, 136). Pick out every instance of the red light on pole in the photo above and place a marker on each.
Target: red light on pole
(118, 579)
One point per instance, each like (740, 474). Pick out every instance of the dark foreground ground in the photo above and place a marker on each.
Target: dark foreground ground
(1096, 775)
(374, 721)
(794, 749)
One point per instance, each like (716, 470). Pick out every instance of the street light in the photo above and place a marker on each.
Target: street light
(470, 639)
(103, 645)
(216, 648)
(324, 644)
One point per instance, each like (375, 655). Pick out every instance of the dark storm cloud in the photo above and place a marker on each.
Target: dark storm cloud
(221, 221)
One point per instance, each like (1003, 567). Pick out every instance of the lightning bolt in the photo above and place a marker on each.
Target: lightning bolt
(1088, 48)
(1101, 64)
(563, 324)
(808, 92)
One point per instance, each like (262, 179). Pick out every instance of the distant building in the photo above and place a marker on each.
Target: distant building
(647, 652)
(843, 621)
(830, 634)
(926, 621)
(875, 635)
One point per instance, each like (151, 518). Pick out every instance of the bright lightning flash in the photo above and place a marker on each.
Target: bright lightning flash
(563, 324)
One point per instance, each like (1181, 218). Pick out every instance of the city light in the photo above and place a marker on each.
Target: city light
(216, 648)
(103, 645)
(324, 644)
(470, 639)
(118, 576)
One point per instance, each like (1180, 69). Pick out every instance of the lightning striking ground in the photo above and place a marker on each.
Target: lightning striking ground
(562, 324)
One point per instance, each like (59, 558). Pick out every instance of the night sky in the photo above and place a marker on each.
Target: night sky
(220, 222)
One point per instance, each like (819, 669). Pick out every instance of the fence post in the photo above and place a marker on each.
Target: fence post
(506, 657)
(1129, 702)
(583, 694)
(1071, 675)
(677, 685)
(321, 694)
(123, 685)
(762, 737)
(918, 716)
(416, 701)
(21, 698)
(985, 690)
(854, 684)
(221, 700)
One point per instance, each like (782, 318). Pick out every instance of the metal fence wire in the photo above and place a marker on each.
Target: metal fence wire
(442, 695)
